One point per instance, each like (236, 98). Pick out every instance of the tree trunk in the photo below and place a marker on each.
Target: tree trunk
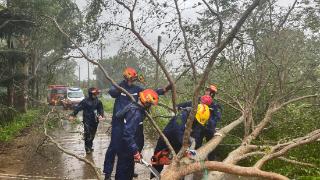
(34, 63)
(248, 121)
(10, 87)
(22, 98)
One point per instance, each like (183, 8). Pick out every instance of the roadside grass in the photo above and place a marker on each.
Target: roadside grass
(12, 128)
(107, 104)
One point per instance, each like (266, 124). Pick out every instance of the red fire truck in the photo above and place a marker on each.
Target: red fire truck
(56, 93)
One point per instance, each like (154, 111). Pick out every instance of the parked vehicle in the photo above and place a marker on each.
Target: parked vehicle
(56, 93)
(73, 97)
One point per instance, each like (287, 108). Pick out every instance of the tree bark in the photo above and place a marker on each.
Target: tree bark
(21, 101)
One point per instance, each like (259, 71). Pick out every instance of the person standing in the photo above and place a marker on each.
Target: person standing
(122, 100)
(131, 140)
(92, 113)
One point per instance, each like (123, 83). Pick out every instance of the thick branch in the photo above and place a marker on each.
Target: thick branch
(204, 150)
(228, 168)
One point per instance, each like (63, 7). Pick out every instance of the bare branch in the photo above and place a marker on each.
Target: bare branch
(96, 169)
(207, 70)
(124, 5)
(295, 100)
(166, 49)
(154, 54)
(297, 162)
(8, 21)
(186, 46)
(118, 25)
(247, 155)
(287, 15)
(228, 103)
(219, 19)
(280, 150)
(165, 106)
(113, 83)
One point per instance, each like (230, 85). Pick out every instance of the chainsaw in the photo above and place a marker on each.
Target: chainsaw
(151, 169)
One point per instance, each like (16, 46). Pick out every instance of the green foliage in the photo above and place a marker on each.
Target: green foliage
(291, 122)
(307, 153)
(12, 128)
(107, 104)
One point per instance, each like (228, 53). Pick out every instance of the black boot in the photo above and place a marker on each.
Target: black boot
(135, 175)
(88, 150)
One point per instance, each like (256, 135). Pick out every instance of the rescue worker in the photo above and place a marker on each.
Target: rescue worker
(174, 131)
(131, 140)
(122, 100)
(92, 113)
(215, 109)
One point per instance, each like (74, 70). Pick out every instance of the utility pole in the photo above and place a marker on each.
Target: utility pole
(88, 75)
(79, 77)
(157, 65)
(88, 83)
(101, 45)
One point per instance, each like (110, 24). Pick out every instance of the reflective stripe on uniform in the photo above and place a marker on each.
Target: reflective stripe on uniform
(134, 94)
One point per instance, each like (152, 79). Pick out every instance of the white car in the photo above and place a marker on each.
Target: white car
(73, 97)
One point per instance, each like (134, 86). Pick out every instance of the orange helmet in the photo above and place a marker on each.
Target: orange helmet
(206, 99)
(212, 88)
(130, 73)
(148, 96)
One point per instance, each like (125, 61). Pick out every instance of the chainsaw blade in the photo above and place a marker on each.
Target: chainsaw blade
(151, 169)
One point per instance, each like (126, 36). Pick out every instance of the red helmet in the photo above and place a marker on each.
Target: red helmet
(93, 91)
(212, 88)
(206, 99)
(130, 73)
(148, 96)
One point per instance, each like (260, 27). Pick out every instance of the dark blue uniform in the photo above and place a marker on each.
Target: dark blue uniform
(174, 131)
(92, 108)
(121, 101)
(131, 139)
(209, 130)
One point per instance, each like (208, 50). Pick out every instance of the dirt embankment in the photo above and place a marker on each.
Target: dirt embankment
(14, 154)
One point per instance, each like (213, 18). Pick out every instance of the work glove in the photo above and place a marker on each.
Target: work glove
(71, 118)
(137, 157)
(101, 118)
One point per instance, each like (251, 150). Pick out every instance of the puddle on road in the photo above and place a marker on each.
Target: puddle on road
(51, 162)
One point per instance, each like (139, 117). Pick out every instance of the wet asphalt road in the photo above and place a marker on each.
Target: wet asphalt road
(49, 161)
